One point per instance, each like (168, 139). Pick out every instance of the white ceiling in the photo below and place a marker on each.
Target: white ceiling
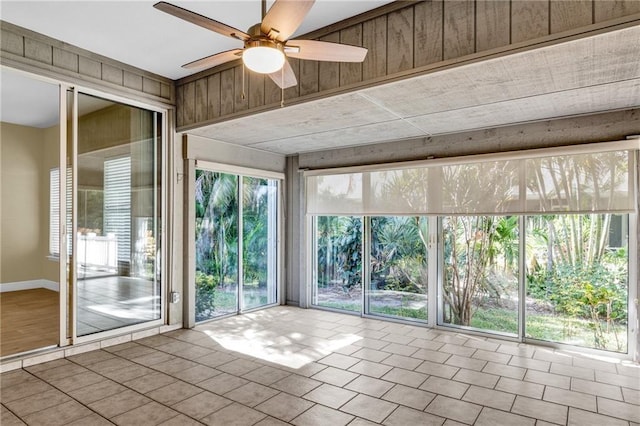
(595, 74)
(135, 33)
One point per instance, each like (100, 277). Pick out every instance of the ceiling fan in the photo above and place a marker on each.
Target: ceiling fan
(267, 44)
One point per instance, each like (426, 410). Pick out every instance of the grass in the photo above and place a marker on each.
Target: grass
(551, 328)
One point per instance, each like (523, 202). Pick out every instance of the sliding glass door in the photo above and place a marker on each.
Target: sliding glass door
(117, 215)
(531, 246)
(236, 243)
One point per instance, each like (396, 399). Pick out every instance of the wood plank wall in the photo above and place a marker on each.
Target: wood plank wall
(30, 51)
(400, 36)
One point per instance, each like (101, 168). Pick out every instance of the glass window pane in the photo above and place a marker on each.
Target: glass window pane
(399, 267)
(118, 215)
(480, 272)
(338, 241)
(259, 248)
(577, 280)
(216, 244)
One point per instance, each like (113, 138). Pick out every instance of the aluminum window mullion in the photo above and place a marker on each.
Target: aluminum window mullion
(240, 289)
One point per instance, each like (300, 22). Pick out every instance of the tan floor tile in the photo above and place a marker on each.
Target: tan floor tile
(450, 348)
(504, 370)
(175, 365)
(532, 390)
(542, 410)
(532, 364)
(403, 416)
(489, 398)
(306, 370)
(135, 351)
(149, 382)
(370, 343)
(549, 379)
(97, 391)
(202, 404)
(92, 357)
(631, 396)
(414, 398)
(450, 422)
(91, 420)
(284, 406)
(239, 367)
(128, 373)
(251, 394)
(215, 359)
(196, 374)
(362, 422)
(460, 411)
(481, 344)
(568, 370)
(454, 338)
(464, 362)
(369, 368)
(234, 415)
(476, 378)
(15, 377)
(153, 358)
(436, 369)
(28, 387)
(399, 349)
(369, 386)
(442, 386)
(148, 414)
(296, 385)
(402, 361)
(266, 375)
(369, 408)
(494, 357)
(67, 370)
(37, 402)
(331, 396)
(335, 376)
(58, 415)
(431, 355)
(405, 377)
(174, 392)
(618, 380)
(371, 354)
(426, 344)
(397, 338)
(321, 416)
(570, 398)
(119, 403)
(491, 417)
(608, 367)
(552, 356)
(7, 418)
(270, 421)
(579, 417)
(618, 409)
(339, 361)
(181, 420)
(222, 383)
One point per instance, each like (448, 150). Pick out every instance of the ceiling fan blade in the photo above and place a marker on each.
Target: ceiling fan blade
(214, 60)
(201, 20)
(285, 77)
(324, 51)
(284, 18)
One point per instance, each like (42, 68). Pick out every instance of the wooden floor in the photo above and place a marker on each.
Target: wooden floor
(28, 320)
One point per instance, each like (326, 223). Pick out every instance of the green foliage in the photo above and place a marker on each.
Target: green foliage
(339, 251)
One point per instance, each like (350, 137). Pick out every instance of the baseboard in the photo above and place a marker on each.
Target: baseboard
(29, 285)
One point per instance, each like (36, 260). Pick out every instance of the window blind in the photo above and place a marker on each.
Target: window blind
(117, 203)
(530, 182)
(54, 211)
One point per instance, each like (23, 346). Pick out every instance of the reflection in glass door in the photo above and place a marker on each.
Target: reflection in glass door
(236, 243)
(117, 215)
(259, 241)
(216, 251)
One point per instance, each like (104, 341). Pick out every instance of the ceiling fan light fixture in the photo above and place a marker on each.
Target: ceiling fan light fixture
(263, 56)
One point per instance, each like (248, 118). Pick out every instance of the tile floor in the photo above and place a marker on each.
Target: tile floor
(306, 367)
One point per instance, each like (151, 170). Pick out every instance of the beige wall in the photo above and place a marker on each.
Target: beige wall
(24, 189)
